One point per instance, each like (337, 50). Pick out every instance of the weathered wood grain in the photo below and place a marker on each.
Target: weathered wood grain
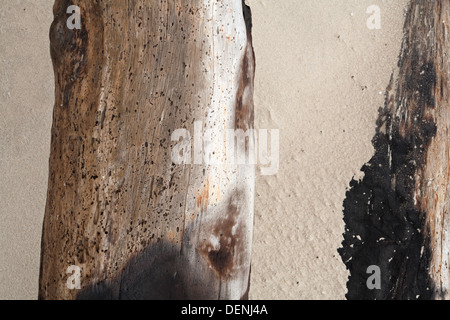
(432, 187)
(138, 225)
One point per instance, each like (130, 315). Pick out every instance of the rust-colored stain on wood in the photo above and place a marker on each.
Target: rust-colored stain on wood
(202, 197)
(222, 256)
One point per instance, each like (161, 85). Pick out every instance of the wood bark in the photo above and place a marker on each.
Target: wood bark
(397, 217)
(432, 181)
(138, 225)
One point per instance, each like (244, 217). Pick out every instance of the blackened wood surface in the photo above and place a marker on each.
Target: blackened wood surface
(397, 216)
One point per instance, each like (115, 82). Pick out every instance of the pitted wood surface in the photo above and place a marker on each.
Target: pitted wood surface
(118, 207)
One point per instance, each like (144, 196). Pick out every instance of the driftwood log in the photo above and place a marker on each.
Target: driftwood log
(398, 216)
(138, 225)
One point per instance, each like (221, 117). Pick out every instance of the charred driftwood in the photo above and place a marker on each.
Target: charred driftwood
(137, 224)
(397, 217)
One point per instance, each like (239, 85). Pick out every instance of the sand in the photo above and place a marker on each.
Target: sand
(320, 79)
(26, 102)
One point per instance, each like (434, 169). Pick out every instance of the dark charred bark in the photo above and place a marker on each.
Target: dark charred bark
(395, 217)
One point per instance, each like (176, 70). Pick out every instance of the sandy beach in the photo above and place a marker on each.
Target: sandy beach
(321, 75)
